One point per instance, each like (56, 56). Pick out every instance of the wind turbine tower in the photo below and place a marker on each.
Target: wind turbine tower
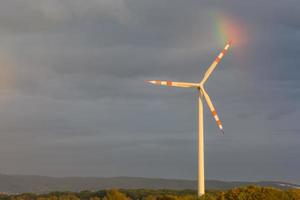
(202, 94)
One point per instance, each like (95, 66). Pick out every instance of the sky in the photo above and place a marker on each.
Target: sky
(73, 101)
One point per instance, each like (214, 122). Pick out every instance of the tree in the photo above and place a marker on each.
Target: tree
(115, 195)
(95, 198)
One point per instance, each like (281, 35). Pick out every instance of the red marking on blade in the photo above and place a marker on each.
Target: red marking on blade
(214, 113)
(169, 83)
(158, 82)
(219, 123)
(217, 59)
(224, 51)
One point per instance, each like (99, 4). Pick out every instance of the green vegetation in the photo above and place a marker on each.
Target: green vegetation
(243, 193)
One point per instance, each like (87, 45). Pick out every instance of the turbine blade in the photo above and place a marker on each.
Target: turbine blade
(215, 63)
(174, 84)
(212, 109)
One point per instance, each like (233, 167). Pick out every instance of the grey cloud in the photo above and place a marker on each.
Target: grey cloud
(280, 112)
(75, 97)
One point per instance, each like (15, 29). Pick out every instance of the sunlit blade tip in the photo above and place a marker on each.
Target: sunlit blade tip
(151, 81)
(228, 45)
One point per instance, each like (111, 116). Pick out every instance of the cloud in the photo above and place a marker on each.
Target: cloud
(74, 91)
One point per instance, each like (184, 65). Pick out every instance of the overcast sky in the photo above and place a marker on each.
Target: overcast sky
(73, 101)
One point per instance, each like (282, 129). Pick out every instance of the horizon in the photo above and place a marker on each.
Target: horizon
(158, 178)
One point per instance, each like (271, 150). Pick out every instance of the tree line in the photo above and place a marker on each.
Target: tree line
(243, 193)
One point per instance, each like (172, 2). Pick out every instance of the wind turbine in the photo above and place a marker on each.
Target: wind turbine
(201, 93)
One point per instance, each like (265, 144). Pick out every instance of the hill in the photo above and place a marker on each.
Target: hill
(42, 184)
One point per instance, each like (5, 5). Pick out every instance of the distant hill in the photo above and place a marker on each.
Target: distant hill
(43, 184)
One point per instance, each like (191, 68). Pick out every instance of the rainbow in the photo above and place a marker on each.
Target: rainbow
(228, 28)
